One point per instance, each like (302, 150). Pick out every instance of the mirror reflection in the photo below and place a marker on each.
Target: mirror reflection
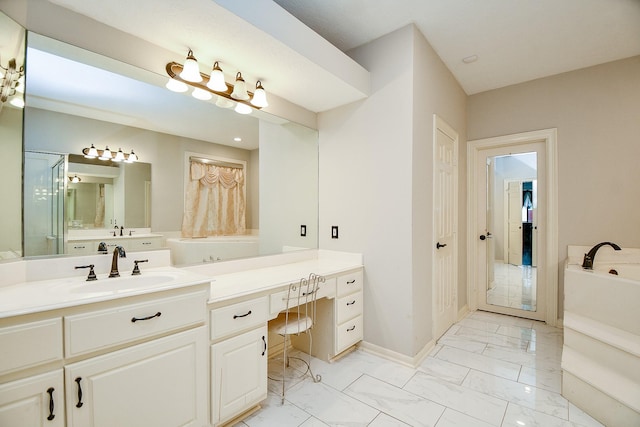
(511, 219)
(110, 104)
(12, 47)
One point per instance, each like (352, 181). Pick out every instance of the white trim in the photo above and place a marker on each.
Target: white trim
(412, 362)
(549, 138)
(462, 313)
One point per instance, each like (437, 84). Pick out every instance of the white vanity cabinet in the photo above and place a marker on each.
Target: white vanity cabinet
(130, 361)
(338, 319)
(158, 383)
(130, 243)
(238, 358)
(35, 401)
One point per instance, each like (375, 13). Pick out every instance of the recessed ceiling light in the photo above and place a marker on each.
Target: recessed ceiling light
(237, 139)
(470, 59)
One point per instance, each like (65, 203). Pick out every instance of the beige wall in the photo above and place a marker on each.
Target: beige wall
(11, 177)
(597, 113)
(376, 183)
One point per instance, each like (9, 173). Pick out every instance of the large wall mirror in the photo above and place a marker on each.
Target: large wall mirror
(75, 98)
(12, 48)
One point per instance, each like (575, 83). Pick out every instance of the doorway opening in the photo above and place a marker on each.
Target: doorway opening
(512, 225)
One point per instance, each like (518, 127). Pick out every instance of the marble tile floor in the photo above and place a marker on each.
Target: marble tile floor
(487, 370)
(514, 286)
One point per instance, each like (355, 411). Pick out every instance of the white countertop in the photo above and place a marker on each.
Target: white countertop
(241, 283)
(37, 296)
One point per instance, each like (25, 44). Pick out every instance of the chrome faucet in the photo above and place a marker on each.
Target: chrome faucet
(587, 261)
(117, 252)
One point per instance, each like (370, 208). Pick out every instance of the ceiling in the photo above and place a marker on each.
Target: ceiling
(515, 40)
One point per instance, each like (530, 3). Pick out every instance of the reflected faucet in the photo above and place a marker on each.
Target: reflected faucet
(587, 262)
(117, 252)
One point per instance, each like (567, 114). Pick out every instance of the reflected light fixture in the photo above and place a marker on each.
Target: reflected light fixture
(228, 95)
(106, 154)
(75, 179)
(242, 108)
(11, 82)
(191, 71)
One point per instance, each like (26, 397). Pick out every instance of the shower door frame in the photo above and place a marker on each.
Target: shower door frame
(549, 138)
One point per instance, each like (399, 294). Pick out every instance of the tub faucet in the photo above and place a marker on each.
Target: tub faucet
(117, 252)
(587, 261)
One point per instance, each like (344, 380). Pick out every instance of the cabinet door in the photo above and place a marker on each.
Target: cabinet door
(239, 374)
(161, 383)
(33, 402)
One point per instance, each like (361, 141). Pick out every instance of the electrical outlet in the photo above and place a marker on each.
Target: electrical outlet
(303, 230)
(334, 231)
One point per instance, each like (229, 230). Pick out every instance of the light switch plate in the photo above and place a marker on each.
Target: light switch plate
(334, 231)
(303, 230)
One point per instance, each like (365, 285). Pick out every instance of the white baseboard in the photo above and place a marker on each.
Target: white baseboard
(463, 312)
(412, 362)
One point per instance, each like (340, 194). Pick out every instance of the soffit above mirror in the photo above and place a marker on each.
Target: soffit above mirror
(260, 39)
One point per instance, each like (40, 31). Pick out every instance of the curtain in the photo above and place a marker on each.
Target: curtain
(215, 201)
(98, 221)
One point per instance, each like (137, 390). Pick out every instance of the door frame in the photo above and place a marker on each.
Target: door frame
(549, 138)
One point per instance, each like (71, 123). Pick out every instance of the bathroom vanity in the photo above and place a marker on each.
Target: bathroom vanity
(124, 351)
(169, 347)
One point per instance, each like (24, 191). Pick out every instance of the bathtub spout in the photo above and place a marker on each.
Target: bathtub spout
(587, 262)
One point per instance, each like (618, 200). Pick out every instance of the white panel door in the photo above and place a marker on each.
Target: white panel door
(445, 308)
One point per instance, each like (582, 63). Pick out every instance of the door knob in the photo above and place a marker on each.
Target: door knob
(438, 245)
(488, 236)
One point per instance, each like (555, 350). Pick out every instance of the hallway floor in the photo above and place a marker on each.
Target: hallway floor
(514, 286)
(487, 370)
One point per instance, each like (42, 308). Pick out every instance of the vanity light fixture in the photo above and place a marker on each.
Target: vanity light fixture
(191, 71)
(259, 96)
(75, 179)
(240, 89)
(229, 95)
(216, 80)
(106, 154)
(11, 82)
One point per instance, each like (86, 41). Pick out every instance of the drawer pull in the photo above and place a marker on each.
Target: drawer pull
(351, 328)
(235, 316)
(79, 404)
(135, 319)
(51, 415)
(264, 341)
(352, 302)
(351, 282)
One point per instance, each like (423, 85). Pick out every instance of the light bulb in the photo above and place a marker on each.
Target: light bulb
(240, 89)
(224, 103)
(216, 80)
(190, 70)
(259, 96)
(17, 101)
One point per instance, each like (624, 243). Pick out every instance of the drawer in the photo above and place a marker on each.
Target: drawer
(100, 329)
(80, 248)
(348, 307)
(349, 283)
(278, 301)
(143, 244)
(234, 318)
(348, 333)
(30, 344)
